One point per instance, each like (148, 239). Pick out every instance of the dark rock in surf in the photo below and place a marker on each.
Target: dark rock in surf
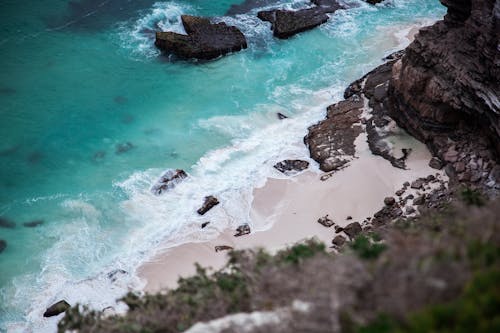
(281, 116)
(204, 224)
(168, 181)
(3, 245)
(286, 23)
(113, 275)
(57, 308)
(291, 166)
(242, 230)
(209, 203)
(204, 40)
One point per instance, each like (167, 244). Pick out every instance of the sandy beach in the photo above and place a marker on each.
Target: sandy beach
(285, 211)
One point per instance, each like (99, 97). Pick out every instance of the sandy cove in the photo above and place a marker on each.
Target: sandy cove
(285, 211)
(291, 207)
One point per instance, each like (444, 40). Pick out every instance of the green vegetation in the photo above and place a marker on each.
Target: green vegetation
(437, 273)
(366, 247)
(476, 310)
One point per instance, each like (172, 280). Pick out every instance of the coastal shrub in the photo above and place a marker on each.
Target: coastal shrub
(476, 310)
(472, 197)
(419, 284)
(366, 247)
(301, 251)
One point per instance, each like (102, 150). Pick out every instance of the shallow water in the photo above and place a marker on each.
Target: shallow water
(91, 115)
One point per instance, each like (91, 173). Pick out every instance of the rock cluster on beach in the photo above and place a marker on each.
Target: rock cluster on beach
(204, 39)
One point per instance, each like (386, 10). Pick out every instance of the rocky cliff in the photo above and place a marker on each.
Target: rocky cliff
(449, 77)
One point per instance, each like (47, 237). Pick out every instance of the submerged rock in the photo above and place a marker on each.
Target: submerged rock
(33, 224)
(209, 203)
(168, 181)
(5, 223)
(3, 245)
(204, 39)
(57, 308)
(123, 147)
(242, 230)
(291, 166)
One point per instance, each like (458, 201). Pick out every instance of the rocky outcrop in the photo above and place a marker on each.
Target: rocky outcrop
(209, 203)
(204, 40)
(168, 181)
(331, 141)
(57, 308)
(449, 76)
(286, 23)
(291, 166)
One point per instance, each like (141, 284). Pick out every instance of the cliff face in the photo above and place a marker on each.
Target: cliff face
(449, 77)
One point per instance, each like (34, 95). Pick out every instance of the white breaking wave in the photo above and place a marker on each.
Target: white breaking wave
(139, 36)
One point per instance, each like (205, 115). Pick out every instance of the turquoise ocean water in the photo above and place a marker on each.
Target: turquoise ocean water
(91, 115)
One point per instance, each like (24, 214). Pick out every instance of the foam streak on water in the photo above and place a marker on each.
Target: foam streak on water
(216, 120)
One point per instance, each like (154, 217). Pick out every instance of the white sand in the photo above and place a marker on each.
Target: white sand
(292, 208)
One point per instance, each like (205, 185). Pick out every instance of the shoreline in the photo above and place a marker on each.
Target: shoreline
(285, 211)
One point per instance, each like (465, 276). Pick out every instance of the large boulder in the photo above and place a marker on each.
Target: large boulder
(56, 308)
(331, 141)
(204, 39)
(286, 23)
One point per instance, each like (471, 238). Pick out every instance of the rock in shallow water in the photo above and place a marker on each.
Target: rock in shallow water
(209, 203)
(168, 181)
(57, 308)
(3, 245)
(33, 224)
(204, 40)
(242, 230)
(291, 166)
